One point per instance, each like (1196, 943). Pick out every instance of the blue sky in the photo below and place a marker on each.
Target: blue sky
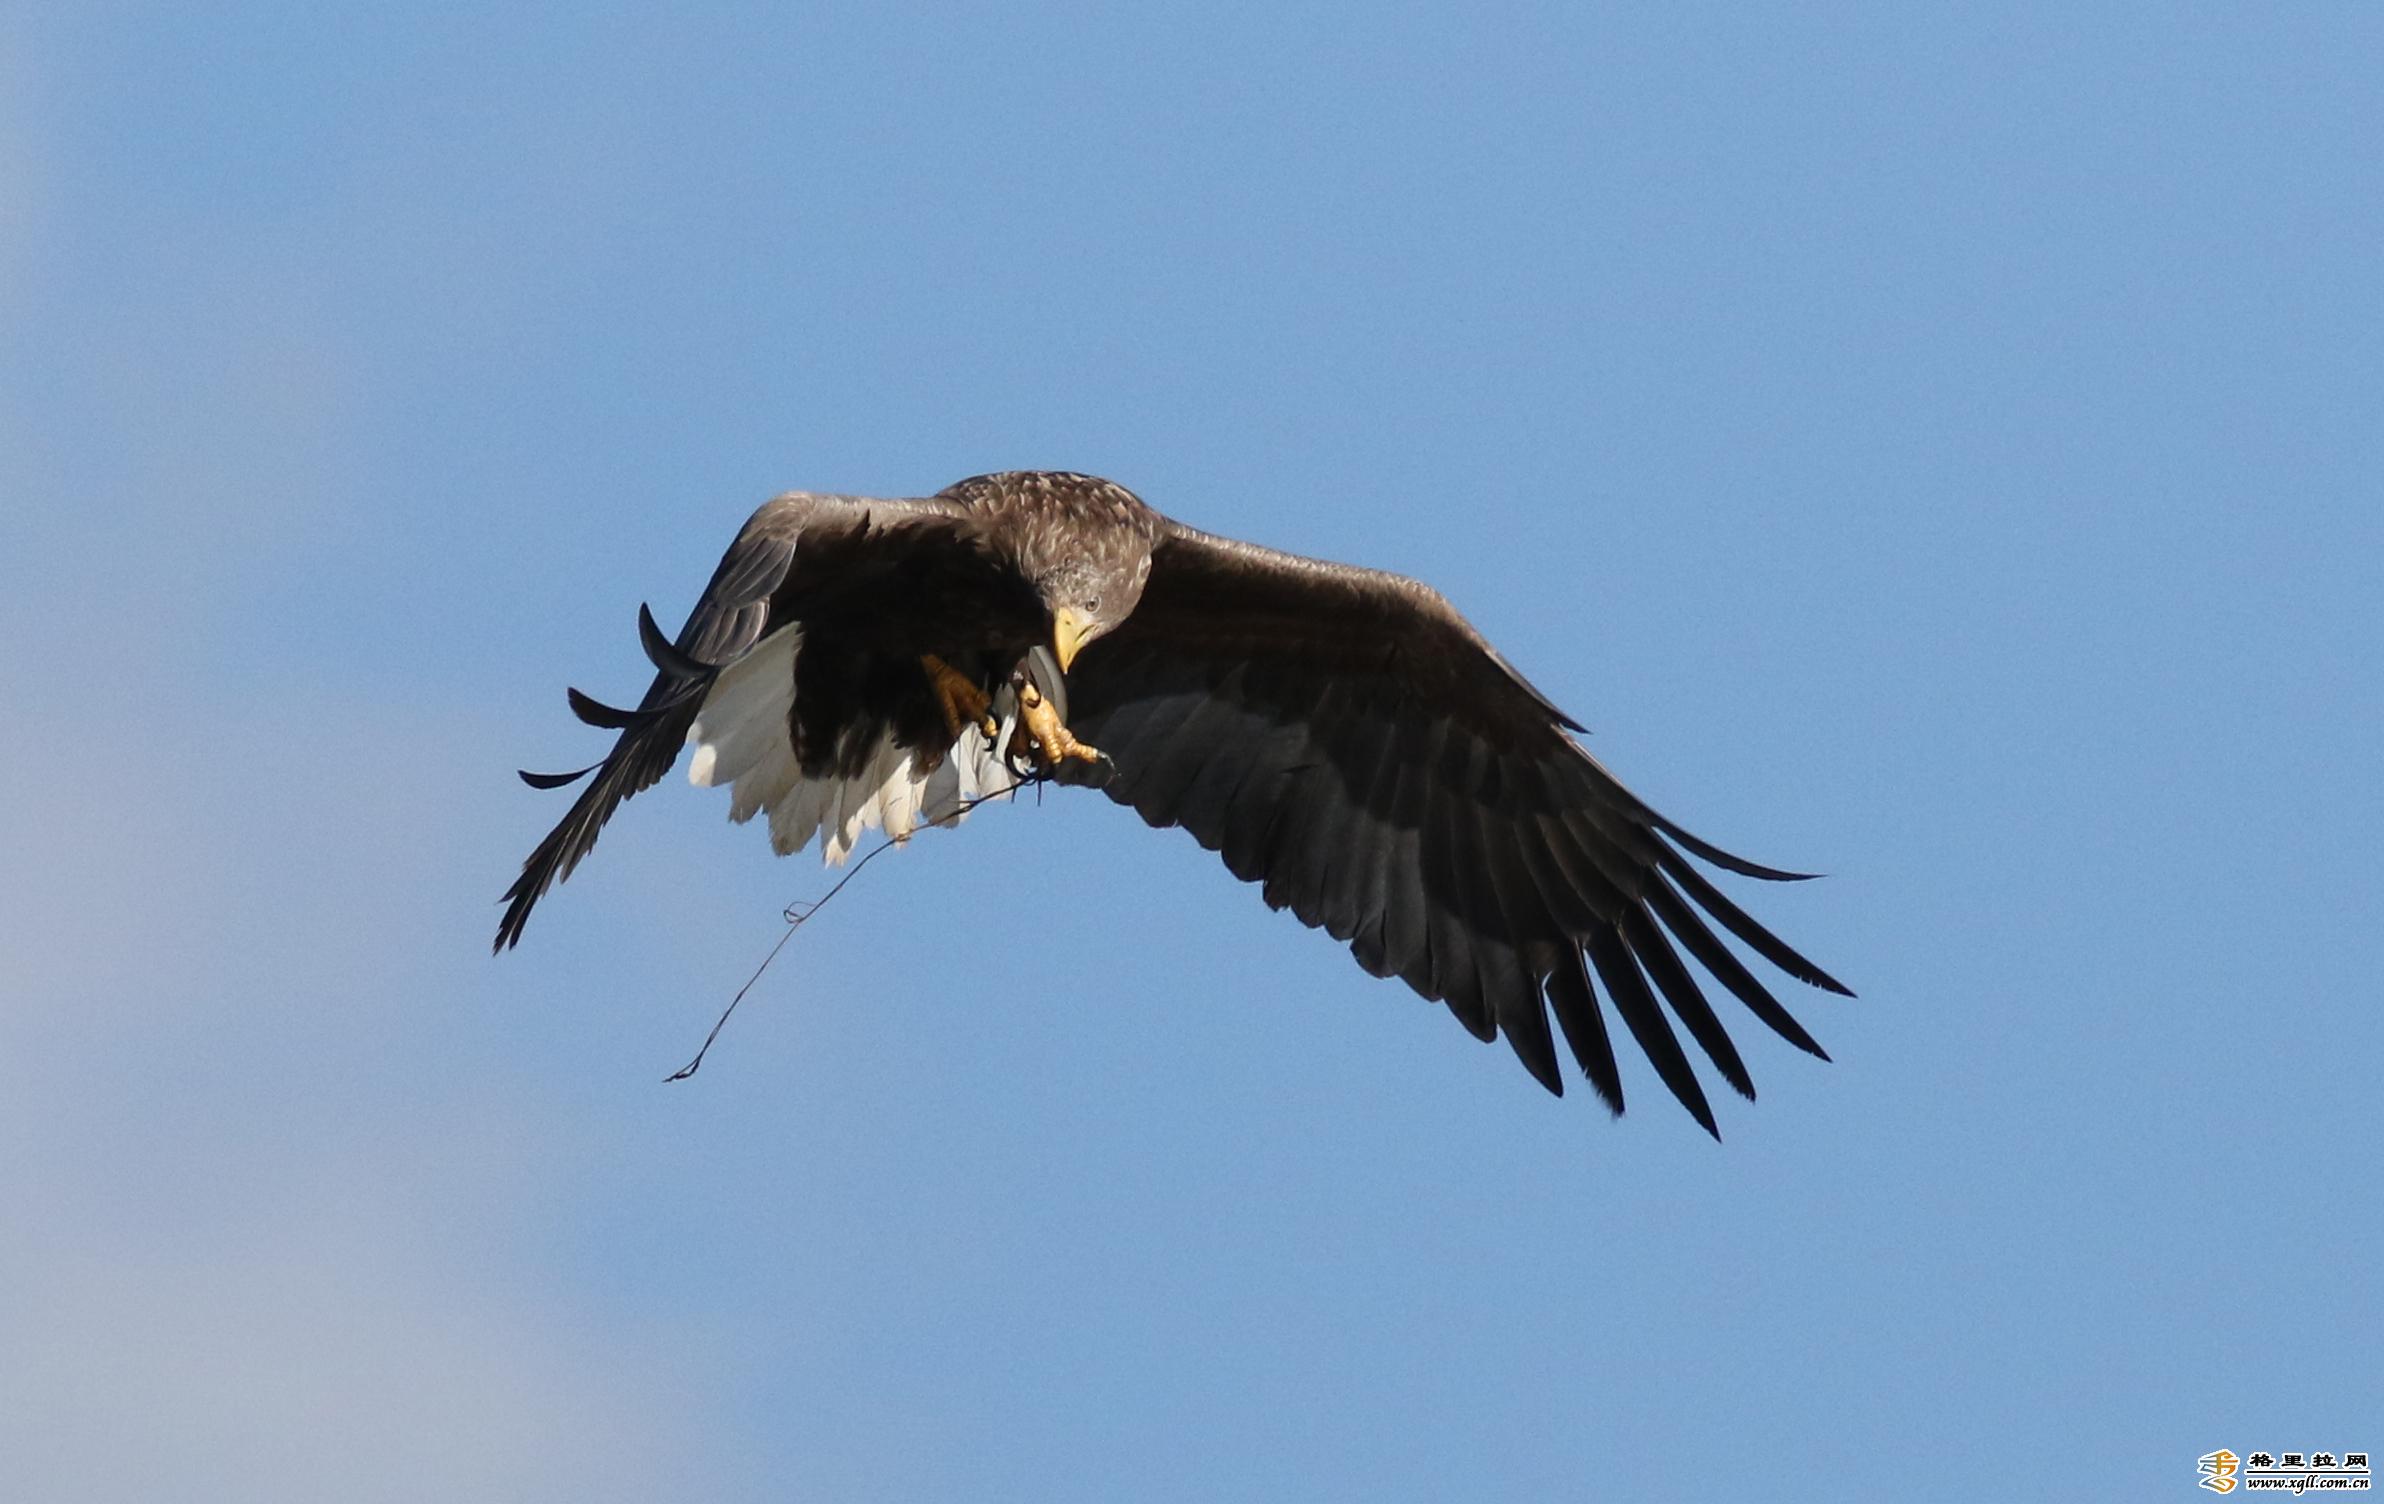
(1938, 448)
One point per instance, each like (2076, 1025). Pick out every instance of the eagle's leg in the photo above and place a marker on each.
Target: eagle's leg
(1040, 732)
(963, 703)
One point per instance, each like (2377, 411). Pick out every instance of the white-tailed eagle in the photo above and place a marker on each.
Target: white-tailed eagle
(1341, 736)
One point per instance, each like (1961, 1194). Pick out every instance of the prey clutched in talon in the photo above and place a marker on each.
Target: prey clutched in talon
(964, 704)
(1041, 734)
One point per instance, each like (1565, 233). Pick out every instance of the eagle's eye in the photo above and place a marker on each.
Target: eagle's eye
(1092, 605)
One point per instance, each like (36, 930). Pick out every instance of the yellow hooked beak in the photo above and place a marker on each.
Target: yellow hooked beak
(1067, 635)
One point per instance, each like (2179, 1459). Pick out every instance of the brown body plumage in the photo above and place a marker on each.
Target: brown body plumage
(1341, 736)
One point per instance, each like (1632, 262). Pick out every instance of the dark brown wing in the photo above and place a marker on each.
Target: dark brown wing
(1346, 739)
(795, 549)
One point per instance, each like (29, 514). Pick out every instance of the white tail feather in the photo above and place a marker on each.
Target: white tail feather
(797, 814)
(744, 714)
(939, 800)
(772, 781)
(743, 737)
(902, 799)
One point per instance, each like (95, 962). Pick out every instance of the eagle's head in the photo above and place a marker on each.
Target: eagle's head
(1086, 548)
(1088, 593)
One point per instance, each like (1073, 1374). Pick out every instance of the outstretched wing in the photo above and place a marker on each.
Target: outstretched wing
(796, 551)
(1345, 738)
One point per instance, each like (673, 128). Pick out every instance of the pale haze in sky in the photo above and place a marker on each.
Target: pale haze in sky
(1935, 448)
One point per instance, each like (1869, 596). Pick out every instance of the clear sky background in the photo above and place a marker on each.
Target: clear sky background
(1936, 447)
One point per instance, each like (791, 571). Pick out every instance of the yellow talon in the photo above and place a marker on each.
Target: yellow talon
(963, 703)
(1051, 742)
